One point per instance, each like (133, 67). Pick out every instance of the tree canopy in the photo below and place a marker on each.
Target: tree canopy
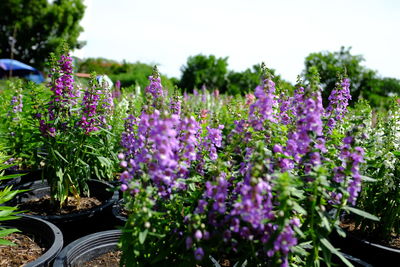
(129, 74)
(204, 70)
(365, 82)
(330, 64)
(31, 29)
(247, 80)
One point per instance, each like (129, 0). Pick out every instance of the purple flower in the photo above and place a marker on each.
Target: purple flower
(175, 106)
(300, 144)
(165, 148)
(277, 148)
(198, 235)
(338, 102)
(188, 242)
(63, 98)
(351, 159)
(212, 140)
(17, 104)
(124, 187)
(155, 88)
(264, 107)
(199, 254)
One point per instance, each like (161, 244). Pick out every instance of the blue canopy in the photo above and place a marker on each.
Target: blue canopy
(19, 69)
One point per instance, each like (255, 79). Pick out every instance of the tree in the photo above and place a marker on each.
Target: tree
(247, 81)
(377, 90)
(330, 64)
(204, 70)
(365, 83)
(129, 74)
(31, 29)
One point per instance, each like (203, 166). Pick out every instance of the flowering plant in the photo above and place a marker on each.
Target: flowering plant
(381, 136)
(18, 123)
(269, 191)
(75, 133)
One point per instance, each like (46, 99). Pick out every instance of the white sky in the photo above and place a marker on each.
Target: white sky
(279, 32)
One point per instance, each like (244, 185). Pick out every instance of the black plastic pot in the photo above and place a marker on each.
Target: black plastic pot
(77, 224)
(375, 254)
(87, 248)
(46, 234)
(26, 177)
(120, 219)
(352, 259)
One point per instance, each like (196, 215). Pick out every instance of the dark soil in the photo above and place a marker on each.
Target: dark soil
(112, 259)
(26, 250)
(44, 207)
(109, 259)
(350, 226)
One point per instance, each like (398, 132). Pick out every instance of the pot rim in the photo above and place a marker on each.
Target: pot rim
(56, 245)
(76, 215)
(84, 245)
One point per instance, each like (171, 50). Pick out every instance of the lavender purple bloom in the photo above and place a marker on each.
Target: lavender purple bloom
(338, 102)
(17, 104)
(165, 148)
(350, 169)
(64, 96)
(155, 88)
(264, 107)
(90, 103)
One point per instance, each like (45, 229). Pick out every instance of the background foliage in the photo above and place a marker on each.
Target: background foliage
(30, 30)
(365, 82)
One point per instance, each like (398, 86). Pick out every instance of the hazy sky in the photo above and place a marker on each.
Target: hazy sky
(281, 32)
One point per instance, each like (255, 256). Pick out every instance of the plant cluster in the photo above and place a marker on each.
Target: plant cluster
(380, 136)
(269, 190)
(18, 129)
(75, 132)
(262, 179)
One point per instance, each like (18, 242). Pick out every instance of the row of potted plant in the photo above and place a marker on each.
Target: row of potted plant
(263, 179)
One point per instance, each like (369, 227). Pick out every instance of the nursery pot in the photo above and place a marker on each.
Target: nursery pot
(375, 254)
(119, 217)
(87, 248)
(77, 224)
(26, 177)
(46, 234)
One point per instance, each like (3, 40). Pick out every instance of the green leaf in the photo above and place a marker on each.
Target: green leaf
(325, 222)
(299, 208)
(333, 250)
(90, 147)
(6, 232)
(367, 179)
(300, 251)
(362, 213)
(4, 242)
(214, 261)
(6, 212)
(7, 218)
(142, 236)
(340, 231)
(156, 235)
(192, 187)
(82, 162)
(58, 154)
(104, 161)
(11, 176)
